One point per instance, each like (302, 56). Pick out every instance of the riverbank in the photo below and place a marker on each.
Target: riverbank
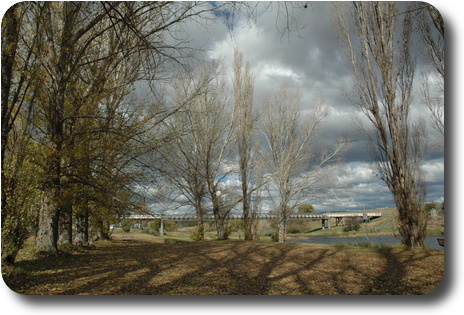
(147, 265)
(430, 242)
(386, 225)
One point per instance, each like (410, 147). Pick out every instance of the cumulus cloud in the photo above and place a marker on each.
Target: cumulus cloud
(434, 171)
(354, 172)
(312, 58)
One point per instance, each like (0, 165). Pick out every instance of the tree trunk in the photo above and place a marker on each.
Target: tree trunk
(200, 223)
(47, 229)
(81, 237)
(200, 229)
(220, 229)
(65, 225)
(247, 224)
(282, 226)
(219, 220)
(47, 237)
(412, 223)
(10, 35)
(102, 230)
(243, 103)
(246, 210)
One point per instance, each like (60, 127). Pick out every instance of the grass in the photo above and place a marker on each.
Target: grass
(167, 266)
(384, 225)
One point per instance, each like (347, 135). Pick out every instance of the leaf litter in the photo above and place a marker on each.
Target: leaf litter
(145, 267)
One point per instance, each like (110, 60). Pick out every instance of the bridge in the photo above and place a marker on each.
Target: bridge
(324, 217)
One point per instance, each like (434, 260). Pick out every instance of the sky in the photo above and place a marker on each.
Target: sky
(312, 58)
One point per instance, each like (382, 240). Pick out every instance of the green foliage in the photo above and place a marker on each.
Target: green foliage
(306, 208)
(125, 225)
(153, 228)
(170, 226)
(20, 198)
(197, 235)
(439, 209)
(429, 206)
(232, 226)
(299, 226)
(14, 234)
(227, 232)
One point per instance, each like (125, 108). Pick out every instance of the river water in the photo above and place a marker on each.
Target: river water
(430, 241)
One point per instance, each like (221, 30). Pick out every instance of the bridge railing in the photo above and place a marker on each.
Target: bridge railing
(356, 214)
(260, 217)
(324, 217)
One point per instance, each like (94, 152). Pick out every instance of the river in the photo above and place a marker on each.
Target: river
(430, 241)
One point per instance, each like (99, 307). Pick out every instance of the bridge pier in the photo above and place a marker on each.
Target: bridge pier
(326, 223)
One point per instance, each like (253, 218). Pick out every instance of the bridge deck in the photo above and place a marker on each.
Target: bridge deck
(324, 216)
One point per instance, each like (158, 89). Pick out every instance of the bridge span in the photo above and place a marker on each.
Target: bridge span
(324, 217)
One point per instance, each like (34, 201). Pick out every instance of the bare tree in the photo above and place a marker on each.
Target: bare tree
(296, 162)
(243, 84)
(432, 31)
(180, 169)
(215, 131)
(376, 39)
(206, 131)
(199, 137)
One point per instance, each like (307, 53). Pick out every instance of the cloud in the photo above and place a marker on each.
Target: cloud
(313, 59)
(434, 171)
(354, 172)
(355, 188)
(270, 72)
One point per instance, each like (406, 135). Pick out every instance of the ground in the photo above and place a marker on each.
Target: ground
(144, 264)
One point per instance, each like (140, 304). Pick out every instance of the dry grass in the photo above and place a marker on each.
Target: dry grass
(144, 265)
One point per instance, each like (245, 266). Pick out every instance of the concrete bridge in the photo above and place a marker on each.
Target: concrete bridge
(324, 217)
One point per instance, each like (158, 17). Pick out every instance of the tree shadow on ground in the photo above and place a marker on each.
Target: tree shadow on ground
(231, 268)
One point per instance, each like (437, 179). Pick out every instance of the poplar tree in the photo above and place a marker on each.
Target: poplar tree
(376, 38)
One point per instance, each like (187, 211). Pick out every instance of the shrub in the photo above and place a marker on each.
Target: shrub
(125, 225)
(170, 226)
(352, 224)
(296, 226)
(153, 228)
(227, 231)
(196, 235)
